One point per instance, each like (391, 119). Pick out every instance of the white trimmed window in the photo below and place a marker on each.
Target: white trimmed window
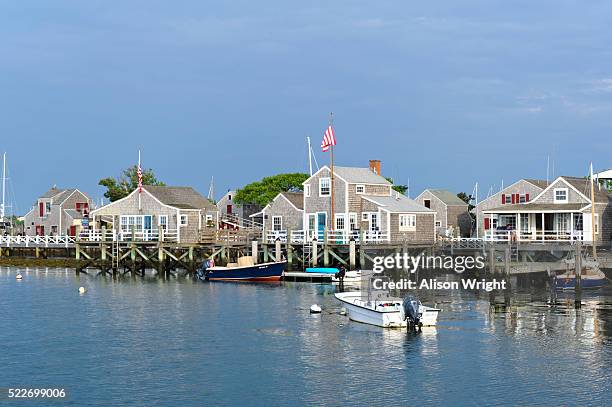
(340, 222)
(560, 195)
(364, 217)
(163, 222)
(407, 222)
(522, 198)
(307, 190)
(277, 223)
(129, 222)
(508, 199)
(324, 187)
(184, 221)
(209, 221)
(360, 189)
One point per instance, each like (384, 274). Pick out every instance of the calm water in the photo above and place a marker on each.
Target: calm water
(189, 343)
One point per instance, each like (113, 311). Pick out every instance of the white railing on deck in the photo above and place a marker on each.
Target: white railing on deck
(154, 235)
(533, 236)
(41, 241)
(333, 237)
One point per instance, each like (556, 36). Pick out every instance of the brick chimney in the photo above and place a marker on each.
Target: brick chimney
(375, 166)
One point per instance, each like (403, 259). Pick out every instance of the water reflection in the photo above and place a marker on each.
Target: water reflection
(260, 341)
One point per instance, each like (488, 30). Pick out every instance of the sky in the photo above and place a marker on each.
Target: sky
(445, 93)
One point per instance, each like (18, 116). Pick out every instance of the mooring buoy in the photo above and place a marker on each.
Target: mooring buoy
(19, 276)
(315, 309)
(82, 290)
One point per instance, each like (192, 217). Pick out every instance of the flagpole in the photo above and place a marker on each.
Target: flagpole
(139, 188)
(333, 226)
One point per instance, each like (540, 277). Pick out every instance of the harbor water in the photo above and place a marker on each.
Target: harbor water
(145, 342)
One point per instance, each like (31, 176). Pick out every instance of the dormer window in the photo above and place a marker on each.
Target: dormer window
(324, 187)
(360, 189)
(560, 195)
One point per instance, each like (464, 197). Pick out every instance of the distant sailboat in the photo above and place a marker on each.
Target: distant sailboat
(590, 275)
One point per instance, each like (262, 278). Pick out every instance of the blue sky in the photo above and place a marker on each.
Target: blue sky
(445, 93)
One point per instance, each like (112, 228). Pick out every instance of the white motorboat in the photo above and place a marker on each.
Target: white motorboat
(352, 277)
(386, 313)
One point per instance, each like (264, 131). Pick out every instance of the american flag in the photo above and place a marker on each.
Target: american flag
(329, 139)
(139, 173)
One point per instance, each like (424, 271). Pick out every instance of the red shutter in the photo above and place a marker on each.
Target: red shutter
(486, 223)
(503, 199)
(78, 206)
(518, 198)
(513, 198)
(526, 197)
(41, 209)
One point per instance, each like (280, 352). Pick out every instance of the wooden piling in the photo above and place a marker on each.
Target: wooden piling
(578, 287)
(254, 251)
(352, 254)
(277, 250)
(314, 260)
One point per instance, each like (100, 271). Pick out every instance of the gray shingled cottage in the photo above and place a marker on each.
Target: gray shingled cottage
(560, 211)
(366, 204)
(58, 212)
(452, 216)
(182, 212)
(283, 216)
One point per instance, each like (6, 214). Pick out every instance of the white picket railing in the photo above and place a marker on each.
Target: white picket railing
(154, 235)
(333, 237)
(37, 241)
(533, 236)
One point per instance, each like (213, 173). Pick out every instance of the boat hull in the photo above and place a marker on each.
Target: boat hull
(266, 272)
(391, 318)
(569, 283)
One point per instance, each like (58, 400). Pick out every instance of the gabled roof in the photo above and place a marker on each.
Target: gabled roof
(537, 182)
(446, 196)
(356, 175)
(397, 203)
(583, 185)
(53, 192)
(295, 198)
(180, 197)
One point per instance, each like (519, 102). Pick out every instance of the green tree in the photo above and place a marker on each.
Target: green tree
(399, 188)
(117, 188)
(264, 191)
(467, 199)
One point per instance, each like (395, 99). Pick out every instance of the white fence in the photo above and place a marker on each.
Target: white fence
(533, 236)
(37, 241)
(333, 237)
(154, 235)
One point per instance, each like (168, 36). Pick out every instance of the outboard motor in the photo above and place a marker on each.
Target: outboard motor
(201, 271)
(411, 312)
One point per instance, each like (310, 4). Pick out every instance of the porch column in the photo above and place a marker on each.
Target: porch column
(572, 226)
(543, 226)
(518, 227)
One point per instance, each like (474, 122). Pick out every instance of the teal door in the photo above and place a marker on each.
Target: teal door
(147, 226)
(321, 221)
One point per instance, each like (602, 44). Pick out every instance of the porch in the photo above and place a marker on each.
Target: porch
(545, 226)
(338, 237)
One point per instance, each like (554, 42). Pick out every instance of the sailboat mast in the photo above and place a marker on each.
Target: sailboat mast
(593, 213)
(309, 156)
(2, 209)
(331, 122)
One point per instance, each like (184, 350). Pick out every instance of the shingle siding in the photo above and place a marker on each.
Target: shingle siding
(423, 234)
(291, 217)
(495, 200)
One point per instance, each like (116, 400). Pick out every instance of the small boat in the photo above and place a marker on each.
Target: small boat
(590, 278)
(244, 270)
(387, 313)
(322, 270)
(352, 277)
